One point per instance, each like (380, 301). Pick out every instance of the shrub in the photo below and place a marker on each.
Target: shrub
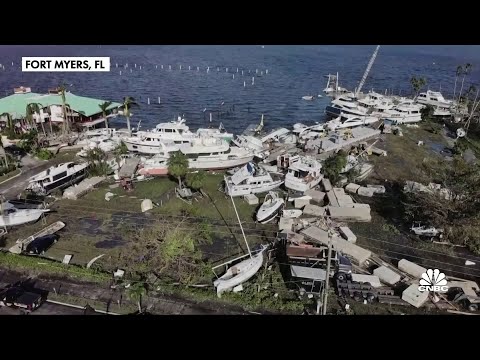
(44, 154)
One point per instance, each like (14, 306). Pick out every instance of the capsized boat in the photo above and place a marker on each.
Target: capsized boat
(240, 273)
(14, 217)
(270, 208)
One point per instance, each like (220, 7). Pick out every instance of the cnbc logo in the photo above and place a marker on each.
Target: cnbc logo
(433, 280)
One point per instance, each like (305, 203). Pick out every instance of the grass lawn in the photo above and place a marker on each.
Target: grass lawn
(404, 157)
(95, 226)
(9, 175)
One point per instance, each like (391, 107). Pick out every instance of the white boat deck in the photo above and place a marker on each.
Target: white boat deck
(336, 141)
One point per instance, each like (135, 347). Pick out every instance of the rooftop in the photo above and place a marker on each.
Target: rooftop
(16, 104)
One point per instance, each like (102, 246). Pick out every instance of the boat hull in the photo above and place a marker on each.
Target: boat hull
(239, 273)
(242, 190)
(20, 217)
(266, 215)
(218, 163)
(301, 186)
(154, 171)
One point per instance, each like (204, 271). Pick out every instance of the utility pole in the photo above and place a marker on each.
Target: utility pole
(327, 278)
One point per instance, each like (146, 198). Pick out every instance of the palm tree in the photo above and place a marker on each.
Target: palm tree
(9, 123)
(177, 166)
(4, 153)
(457, 74)
(465, 72)
(417, 84)
(104, 107)
(61, 90)
(128, 102)
(135, 293)
(196, 180)
(35, 108)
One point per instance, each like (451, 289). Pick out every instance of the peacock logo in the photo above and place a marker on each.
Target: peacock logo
(433, 280)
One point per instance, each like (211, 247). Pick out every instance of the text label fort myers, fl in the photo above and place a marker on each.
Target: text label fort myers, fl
(66, 64)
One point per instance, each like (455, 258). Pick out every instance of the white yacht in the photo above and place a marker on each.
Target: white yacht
(403, 114)
(213, 154)
(150, 143)
(304, 172)
(349, 121)
(57, 177)
(219, 133)
(310, 132)
(104, 143)
(347, 105)
(252, 144)
(376, 103)
(250, 180)
(435, 99)
(178, 132)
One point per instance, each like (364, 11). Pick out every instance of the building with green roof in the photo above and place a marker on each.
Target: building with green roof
(82, 108)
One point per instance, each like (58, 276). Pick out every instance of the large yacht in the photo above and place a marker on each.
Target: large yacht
(211, 154)
(304, 172)
(434, 98)
(57, 177)
(350, 121)
(250, 179)
(404, 113)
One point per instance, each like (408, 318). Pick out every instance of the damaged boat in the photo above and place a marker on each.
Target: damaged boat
(57, 177)
(270, 208)
(250, 179)
(304, 172)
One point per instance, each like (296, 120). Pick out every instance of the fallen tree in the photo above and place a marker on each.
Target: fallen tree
(453, 205)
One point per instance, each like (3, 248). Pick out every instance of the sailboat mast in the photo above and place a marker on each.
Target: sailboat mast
(241, 227)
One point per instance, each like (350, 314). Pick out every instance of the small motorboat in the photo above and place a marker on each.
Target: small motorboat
(308, 97)
(292, 213)
(270, 208)
(15, 217)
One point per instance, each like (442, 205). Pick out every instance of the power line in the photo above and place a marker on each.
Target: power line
(159, 221)
(273, 238)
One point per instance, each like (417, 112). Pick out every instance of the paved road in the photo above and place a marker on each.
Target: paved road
(30, 167)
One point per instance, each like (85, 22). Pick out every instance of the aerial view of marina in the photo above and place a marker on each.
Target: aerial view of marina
(239, 180)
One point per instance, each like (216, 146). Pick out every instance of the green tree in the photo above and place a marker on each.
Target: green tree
(120, 150)
(128, 102)
(457, 74)
(465, 71)
(427, 112)
(10, 127)
(196, 180)
(136, 292)
(66, 126)
(5, 157)
(417, 84)
(29, 142)
(35, 108)
(104, 107)
(178, 166)
(97, 159)
(334, 165)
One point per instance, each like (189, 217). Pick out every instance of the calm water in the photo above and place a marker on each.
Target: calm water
(293, 71)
